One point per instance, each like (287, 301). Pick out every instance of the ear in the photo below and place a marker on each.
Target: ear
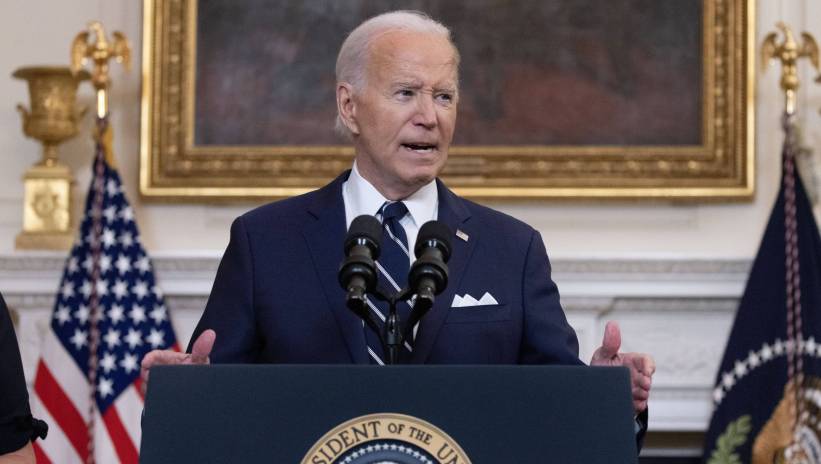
(346, 107)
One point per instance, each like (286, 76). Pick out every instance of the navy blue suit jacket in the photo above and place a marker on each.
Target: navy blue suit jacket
(276, 298)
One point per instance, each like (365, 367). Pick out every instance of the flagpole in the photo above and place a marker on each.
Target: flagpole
(788, 52)
(100, 51)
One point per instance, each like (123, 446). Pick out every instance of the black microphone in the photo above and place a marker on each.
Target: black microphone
(357, 273)
(428, 276)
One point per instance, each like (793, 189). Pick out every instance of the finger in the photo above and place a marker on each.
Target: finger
(639, 406)
(159, 357)
(644, 363)
(644, 382)
(612, 341)
(649, 365)
(640, 394)
(202, 347)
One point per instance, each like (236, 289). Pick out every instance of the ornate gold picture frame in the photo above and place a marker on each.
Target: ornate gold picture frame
(689, 133)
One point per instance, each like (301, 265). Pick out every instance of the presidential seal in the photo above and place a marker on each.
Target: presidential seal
(785, 440)
(386, 438)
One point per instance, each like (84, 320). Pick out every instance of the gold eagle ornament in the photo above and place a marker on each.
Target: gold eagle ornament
(788, 53)
(100, 52)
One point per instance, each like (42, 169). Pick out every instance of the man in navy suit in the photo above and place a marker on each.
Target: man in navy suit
(276, 298)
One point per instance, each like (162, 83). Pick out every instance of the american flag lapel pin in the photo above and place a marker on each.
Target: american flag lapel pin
(462, 235)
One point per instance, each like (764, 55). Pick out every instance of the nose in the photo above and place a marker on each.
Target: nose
(425, 112)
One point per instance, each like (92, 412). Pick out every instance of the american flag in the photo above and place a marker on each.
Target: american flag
(107, 315)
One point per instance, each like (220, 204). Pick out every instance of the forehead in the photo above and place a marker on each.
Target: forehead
(400, 55)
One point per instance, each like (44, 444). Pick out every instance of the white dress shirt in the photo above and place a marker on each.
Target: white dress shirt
(361, 197)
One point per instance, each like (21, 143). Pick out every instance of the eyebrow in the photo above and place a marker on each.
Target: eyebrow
(415, 84)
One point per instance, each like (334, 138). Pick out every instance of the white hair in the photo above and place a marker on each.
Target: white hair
(353, 55)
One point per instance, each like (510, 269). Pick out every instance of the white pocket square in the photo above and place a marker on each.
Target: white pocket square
(468, 301)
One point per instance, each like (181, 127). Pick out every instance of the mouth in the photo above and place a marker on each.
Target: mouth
(420, 147)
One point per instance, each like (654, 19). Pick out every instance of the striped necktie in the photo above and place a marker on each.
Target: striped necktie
(392, 265)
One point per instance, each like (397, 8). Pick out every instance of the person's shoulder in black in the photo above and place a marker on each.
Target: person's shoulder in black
(17, 427)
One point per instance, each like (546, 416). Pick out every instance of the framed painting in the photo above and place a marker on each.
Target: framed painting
(560, 99)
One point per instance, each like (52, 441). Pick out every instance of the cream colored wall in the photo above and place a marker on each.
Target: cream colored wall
(40, 31)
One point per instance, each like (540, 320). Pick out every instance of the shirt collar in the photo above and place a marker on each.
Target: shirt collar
(361, 197)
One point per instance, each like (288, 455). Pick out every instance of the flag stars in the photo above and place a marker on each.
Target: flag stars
(718, 395)
(789, 345)
(82, 314)
(753, 360)
(127, 214)
(110, 213)
(728, 380)
(67, 291)
(143, 264)
(79, 339)
(158, 314)
(120, 289)
(112, 338)
(88, 264)
(102, 288)
(134, 338)
(140, 289)
(105, 387)
(63, 315)
(129, 363)
(126, 239)
(157, 291)
(766, 352)
(85, 289)
(108, 363)
(137, 314)
(92, 241)
(109, 238)
(123, 264)
(156, 338)
(108, 280)
(111, 188)
(72, 266)
(810, 346)
(740, 369)
(115, 314)
(105, 263)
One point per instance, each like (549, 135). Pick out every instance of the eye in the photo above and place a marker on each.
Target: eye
(405, 94)
(446, 98)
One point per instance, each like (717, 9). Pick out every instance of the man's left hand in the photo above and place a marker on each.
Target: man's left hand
(641, 365)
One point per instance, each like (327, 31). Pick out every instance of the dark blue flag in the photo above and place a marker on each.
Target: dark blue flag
(768, 389)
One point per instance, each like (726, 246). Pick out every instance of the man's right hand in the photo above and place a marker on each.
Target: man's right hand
(199, 355)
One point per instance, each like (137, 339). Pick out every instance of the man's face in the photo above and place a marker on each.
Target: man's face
(403, 119)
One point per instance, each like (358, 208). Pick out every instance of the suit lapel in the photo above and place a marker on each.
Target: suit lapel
(325, 236)
(454, 213)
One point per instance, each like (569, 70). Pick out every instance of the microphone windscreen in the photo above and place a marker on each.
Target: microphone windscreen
(437, 231)
(364, 226)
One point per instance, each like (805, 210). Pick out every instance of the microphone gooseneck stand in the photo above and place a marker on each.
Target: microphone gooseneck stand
(428, 276)
(391, 335)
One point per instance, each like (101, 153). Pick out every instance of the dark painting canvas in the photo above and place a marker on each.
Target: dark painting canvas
(533, 72)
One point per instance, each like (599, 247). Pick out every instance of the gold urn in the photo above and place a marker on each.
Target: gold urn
(53, 118)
